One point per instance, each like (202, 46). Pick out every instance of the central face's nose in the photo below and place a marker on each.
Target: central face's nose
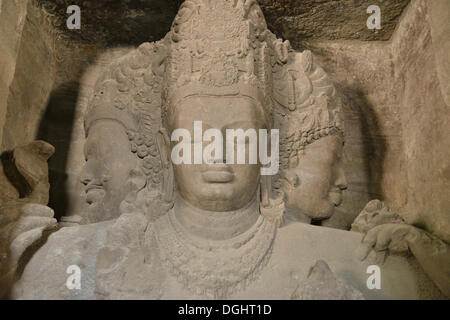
(85, 177)
(88, 173)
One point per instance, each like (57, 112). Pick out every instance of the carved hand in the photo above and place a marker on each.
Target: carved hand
(432, 253)
(393, 237)
(23, 220)
(20, 226)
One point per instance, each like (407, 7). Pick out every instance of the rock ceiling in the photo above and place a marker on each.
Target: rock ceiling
(131, 22)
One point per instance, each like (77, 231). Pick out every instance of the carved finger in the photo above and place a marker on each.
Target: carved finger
(29, 223)
(399, 242)
(363, 250)
(384, 238)
(22, 242)
(367, 244)
(37, 210)
(379, 258)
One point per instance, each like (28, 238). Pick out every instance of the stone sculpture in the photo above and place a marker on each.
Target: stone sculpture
(213, 230)
(121, 152)
(312, 139)
(375, 213)
(24, 215)
(386, 233)
(322, 284)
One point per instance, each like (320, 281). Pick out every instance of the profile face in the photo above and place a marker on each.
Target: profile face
(218, 187)
(109, 162)
(314, 184)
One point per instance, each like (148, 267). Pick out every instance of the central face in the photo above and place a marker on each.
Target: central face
(218, 187)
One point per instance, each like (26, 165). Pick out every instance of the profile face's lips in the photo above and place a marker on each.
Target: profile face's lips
(335, 196)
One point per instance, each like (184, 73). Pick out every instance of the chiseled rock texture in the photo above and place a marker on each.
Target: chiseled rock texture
(132, 22)
(26, 51)
(375, 213)
(12, 20)
(322, 284)
(330, 20)
(397, 118)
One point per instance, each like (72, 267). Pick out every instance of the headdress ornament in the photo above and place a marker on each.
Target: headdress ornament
(221, 47)
(128, 92)
(310, 107)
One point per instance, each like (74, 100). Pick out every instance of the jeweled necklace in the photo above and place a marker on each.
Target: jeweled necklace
(215, 268)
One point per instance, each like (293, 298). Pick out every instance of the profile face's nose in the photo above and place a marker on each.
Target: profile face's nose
(341, 180)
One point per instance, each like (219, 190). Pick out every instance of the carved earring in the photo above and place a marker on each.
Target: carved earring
(137, 182)
(266, 186)
(168, 184)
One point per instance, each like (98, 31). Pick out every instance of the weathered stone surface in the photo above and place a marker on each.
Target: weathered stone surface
(425, 123)
(432, 254)
(133, 22)
(24, 215)
(373, 148)
(330, 20)
(12, 19)
(373, 155)
(202, 232)
(395, 126)
(375, 213)
(115, 265)
(439, 14)
(27, 96)
(322, 284)
(112, 23)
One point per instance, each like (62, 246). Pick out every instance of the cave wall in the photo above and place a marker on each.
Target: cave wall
(362, 72)
(425, 116)
(28, 59)
(397, 121)
(12, 19)
(40, 76)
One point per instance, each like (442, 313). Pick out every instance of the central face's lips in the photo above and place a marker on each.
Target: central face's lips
(217, 174)
(93, 187)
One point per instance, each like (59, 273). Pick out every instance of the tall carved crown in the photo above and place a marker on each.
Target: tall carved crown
(221, 47)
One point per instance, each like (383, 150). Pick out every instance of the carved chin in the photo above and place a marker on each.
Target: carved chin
(335, 197)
